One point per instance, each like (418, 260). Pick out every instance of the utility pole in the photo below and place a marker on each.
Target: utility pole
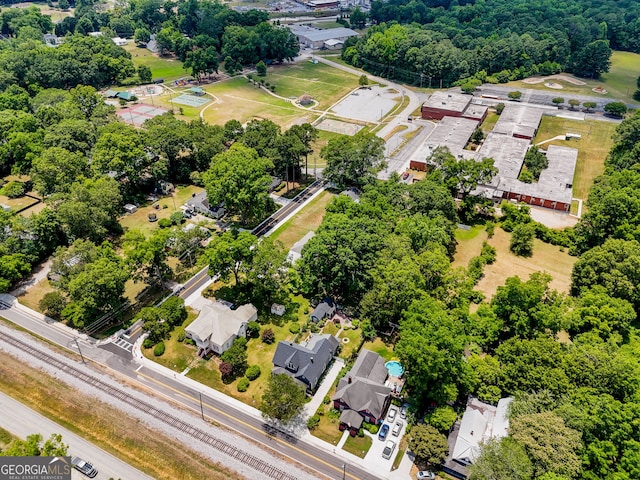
(201, 408)
(79, 351)
(344, 471)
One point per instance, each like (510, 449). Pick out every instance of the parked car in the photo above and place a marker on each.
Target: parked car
(389, 447)
(396, 428)
(382, 433)
(84, 467)
(403, 412)
(425, 475)
(391, 415)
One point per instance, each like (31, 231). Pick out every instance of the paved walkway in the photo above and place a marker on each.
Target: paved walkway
(324, 388)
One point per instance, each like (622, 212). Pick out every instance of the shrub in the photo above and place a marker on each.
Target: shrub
(499, 108)
(320, 411)
(488, 253)
(243, 384)
(14, 189)
(360, 432)
(253, 372)
(164, 223)
(491, 227)
(521, 243)
(334, 414)
(355, 324)
(148, 343)
(158, 350)
(326, 400)
(443, 418)
(181, 336)
(253, 330)
(294, 328)
(268, 336)
(313, 422)
(226, 369)
(314, 328)
(373, 429)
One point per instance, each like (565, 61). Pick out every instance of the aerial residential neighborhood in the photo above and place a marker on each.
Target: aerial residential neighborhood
(320, 239)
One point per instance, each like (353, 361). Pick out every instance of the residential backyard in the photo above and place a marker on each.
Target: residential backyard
(593, 147)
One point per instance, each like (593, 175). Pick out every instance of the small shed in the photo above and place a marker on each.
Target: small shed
(325, 309)
(130, 208)
(126, 96)
(111, 93)
(196, 91)
(277, 309)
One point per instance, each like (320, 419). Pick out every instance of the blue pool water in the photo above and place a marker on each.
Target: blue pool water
(394, 368)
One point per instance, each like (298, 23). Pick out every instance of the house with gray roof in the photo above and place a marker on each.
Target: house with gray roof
(363, 391)
(325, 309)
(218, 326)
(200, 203)
(305, 363)
(316, 37)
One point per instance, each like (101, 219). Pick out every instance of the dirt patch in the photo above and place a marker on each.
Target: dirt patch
(555, 86)
(546, 258)
(337, 126)
(564, 78)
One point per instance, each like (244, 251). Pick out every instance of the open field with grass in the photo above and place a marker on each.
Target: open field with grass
(31, 298)
(359, 446)
(105, 426)
(489, 122)
(239, 100)
(620, 81)
(546, 258)
(593, 147)
(324, 83)
(56, 14)
(307, 219)
(315, 160)
(168, 68)
(469, 245)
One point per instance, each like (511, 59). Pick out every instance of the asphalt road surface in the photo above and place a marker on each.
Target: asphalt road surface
(23, 421)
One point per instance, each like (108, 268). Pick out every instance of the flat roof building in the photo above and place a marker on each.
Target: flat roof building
(445, 104)
(476, 112)
(519, 121)
(316, 38)
(452, 132)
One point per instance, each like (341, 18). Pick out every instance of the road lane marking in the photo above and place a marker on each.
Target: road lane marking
(248, 425)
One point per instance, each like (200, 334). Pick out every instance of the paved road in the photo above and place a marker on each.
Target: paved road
(217, 406)
(23, 421)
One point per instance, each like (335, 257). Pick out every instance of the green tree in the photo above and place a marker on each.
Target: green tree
(239, 179)
(230, 253)
(363, 81)
(63, 5)
(261, 68)
(201, 61)
(592, 60)
(353, 161)
(283, 399)
(501, 459)
(617, 109)
(514, 95)
(589, 106)
(550, 444)
(56, 169)
(443, 419)
(573, 103)
(236, 356)
(33, 447)
(432, 342)
(557, 101)
(144, 74)
(357, 18)
(428, 444)
(146, 257)
(535, 161)
(141, 36)
(521, 242)
(267, 272)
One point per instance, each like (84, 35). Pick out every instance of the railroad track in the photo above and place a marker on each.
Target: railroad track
(245, 458)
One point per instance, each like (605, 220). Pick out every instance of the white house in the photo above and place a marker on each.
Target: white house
(218, 326)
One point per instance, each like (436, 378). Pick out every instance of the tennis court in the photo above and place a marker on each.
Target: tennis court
(140, 113)
(191, 100)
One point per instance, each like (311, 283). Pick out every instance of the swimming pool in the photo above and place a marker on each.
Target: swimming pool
(394, 368)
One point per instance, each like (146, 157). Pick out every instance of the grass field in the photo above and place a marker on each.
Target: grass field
(309, 218)
(489, 122)
(107, 427)
(593, 147)
(239, 100)
(469, 245)
(385, 350)
(315, 160)
(546, 258)
(161, 67)
(324, 83)
(620, 82)
(31, 298)
(359, 446)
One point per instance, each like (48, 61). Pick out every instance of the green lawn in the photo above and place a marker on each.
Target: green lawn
(315, 160)
(324, 83)
(239, 100)
(620, 82)
(593, 147)
(139, 219)
(385, 350)
(349, 348)
(489, 122)
(307, 219)
(359, 446)
(167, 68)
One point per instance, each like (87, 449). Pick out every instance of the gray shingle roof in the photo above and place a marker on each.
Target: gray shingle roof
(369, 365)
(324, 309)
(305, 364)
